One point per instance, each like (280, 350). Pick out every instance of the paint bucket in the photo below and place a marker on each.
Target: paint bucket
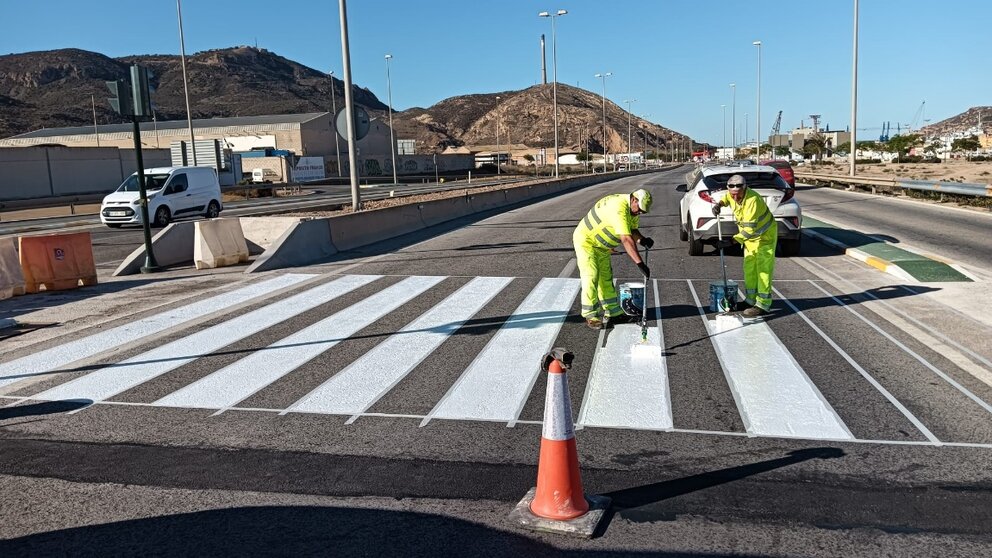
(716, 294)
(631, 298)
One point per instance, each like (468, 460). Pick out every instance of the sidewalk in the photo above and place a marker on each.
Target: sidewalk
(883, 256)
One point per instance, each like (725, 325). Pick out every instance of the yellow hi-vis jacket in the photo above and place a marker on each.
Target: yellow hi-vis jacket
(606, 222)
(754, 219)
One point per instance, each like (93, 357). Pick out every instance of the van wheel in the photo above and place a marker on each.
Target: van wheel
(161, 217)
(213, 210)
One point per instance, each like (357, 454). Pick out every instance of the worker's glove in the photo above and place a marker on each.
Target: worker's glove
(725, 243)
(716, 210)
(645, 270)
(647, 242)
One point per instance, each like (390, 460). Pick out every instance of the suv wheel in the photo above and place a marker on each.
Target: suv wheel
(162, 217)
(213, 210)
(695, 247)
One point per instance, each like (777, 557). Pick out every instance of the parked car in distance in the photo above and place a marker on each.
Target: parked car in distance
(172, 192)
(707, 184)
(784, 168)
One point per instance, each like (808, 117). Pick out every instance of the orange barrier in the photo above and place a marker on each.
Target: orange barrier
(11, 276)
(57, 262)
(558, 503)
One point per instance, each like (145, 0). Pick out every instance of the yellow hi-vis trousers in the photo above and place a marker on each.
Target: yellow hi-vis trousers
(596, 276)
(759, 266)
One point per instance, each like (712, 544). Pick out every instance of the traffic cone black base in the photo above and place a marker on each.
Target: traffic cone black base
(583, 526)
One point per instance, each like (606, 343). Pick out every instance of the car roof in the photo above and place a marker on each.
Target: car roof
(731, 169)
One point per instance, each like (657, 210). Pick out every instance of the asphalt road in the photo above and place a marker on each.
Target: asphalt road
(843, 425)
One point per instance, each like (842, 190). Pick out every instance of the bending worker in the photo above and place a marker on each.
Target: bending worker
(758, 233)
(611, 222)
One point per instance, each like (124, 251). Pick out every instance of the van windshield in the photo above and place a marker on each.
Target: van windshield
(152, 182)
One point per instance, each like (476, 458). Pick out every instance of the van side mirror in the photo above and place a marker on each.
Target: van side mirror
(682, 188)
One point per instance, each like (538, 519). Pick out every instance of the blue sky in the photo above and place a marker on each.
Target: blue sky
(677, 58)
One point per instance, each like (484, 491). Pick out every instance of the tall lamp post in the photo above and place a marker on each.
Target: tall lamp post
(497, 136)
(334, 113)
(723, 144)
(854, 96)
(630, 148)
(644, 139)
(182, 52)
(604, 76)
(389, 98)
(757, 116)
(733, 122)
(554, 74)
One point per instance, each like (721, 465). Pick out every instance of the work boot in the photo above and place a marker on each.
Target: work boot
(621, 319)
(754, 312)
(594, 323)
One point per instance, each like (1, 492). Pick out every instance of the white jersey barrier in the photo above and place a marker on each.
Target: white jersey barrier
(219, 243)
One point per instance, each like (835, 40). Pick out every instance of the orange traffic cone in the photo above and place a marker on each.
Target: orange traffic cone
(558, 503)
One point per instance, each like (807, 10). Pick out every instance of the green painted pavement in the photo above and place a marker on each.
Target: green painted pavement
(921, 268)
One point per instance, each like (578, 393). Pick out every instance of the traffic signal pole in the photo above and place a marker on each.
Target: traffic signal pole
(151, 265)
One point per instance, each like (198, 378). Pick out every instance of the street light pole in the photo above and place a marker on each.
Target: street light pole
(349, 107)
(497, 137)
(389, 98)
(733, 122)
(604, 76)
(629, 148)
(182, 52)
(854, 96)
(96, 130)
(723, 145)
(334, 113)
(757, 117)
(554, 74)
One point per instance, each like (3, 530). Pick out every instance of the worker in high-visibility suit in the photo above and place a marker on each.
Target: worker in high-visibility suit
(612, 222)
(758, 233)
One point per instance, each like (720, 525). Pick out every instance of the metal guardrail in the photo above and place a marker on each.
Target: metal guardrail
(958, 188)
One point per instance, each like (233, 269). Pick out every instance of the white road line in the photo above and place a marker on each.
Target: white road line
(568, 269)
(239, 380)
(775, 394)
(629, 389)
(496, 385)
(910, 352)
(357, 387)
(895, 402)
(114, 379)
(59, 356)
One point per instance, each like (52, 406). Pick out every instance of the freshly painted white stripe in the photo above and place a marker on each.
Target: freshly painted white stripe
(775, 394)
(57, 357)
(241, 379)
(109, 381)
(568, 269)
(496, 385)
(628, 386)
(895, 402)
(364, 381)
(982, 403)
(557, 410)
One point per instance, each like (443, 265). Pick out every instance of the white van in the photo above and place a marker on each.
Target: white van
(265, 176)
(172, 192)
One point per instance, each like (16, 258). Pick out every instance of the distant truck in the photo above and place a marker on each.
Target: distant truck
(266, 176)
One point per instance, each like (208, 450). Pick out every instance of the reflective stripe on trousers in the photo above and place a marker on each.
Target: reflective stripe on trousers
(596, 277)
(759, 267)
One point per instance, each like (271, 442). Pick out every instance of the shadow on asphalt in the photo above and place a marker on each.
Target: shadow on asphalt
(298, 531)
(40, 409)
(25, 304)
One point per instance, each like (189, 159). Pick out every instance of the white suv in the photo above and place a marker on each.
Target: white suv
(706, 184)
(172, 192)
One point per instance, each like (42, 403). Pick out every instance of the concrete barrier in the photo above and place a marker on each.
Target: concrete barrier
(11, 276)
(487, 201)
(261, 232)
(441, 211)
(173, 245)
(218, 243)
(56, 262)
(304, 243)
(354, 230)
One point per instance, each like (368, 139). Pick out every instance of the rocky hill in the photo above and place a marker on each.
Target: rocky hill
(53, 89)
(965, 122)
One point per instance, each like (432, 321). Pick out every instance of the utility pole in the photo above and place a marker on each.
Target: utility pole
(334, 113)
(96, 130)
(854, 97)
(349, 106)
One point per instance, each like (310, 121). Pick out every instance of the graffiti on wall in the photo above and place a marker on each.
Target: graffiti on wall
(372, 168)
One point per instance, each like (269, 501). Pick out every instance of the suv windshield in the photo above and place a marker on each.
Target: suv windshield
(752, 179)
(152, 182)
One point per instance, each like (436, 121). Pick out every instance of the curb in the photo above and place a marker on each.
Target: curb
(884, 266)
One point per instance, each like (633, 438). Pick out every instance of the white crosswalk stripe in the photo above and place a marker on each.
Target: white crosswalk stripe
(361, 384)
(234, 383)
(58, 357)
(496, 385)
(625, 388)
(109, 381)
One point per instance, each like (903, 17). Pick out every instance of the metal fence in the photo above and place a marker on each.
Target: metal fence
(957, 188)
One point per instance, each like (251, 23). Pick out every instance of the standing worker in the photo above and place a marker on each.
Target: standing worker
(758, 233)
(611, 222)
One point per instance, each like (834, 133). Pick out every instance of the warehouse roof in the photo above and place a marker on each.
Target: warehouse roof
(235, 121)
